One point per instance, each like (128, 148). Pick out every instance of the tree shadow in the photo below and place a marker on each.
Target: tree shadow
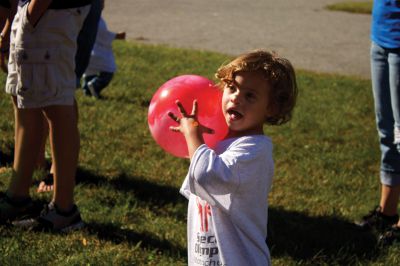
(117, 235)
(318, 240)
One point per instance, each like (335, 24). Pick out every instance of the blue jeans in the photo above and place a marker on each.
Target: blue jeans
(385, 77)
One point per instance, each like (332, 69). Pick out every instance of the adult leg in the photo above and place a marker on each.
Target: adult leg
(28, 139)
(47, 184)
(64, 138)
(16, 203)
(394, 81)
(394, 74)
(390, 166)
(41, 160)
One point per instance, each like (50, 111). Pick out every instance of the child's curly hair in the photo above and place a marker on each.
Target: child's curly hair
(279, 74)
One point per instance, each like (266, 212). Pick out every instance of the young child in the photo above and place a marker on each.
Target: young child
(102, 65)
(228, 188)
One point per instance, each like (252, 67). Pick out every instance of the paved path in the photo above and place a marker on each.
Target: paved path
(301, 30)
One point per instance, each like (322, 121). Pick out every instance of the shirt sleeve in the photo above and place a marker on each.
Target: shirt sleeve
(216, 178)
(104, 36)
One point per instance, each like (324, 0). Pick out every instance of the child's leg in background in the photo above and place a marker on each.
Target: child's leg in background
(86, 80)
(99, 82)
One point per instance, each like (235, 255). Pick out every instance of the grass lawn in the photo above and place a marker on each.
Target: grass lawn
(363, 7)
(327, 164)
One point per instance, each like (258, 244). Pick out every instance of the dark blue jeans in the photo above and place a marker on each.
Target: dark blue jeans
(86, 39)
(99, 81)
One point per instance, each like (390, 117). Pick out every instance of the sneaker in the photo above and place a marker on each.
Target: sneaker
(86, 92)
(377, 220)
(52, 219)
(11, 210)
(390, 236)
(93, 91)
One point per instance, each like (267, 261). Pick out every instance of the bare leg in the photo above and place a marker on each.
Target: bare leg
(47, 187)
(28, 138)
(64, 139)
(41, 163)
(389, 199)
(41, 160)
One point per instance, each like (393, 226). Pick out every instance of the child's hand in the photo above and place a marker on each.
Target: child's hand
(190, 127)
(188, 124)
(120, 35)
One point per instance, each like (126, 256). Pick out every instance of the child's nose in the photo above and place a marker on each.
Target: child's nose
(235, 97)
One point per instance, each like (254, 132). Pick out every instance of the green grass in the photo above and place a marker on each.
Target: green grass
(364, 7)
(327, 164)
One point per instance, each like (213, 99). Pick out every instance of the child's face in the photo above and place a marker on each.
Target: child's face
(244, 104)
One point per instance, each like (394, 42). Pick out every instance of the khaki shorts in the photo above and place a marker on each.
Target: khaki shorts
(41, 67)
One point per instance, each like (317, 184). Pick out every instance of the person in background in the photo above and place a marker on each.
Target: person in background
(42, 81)
(85, 42)
(101, 68)
(385, 77)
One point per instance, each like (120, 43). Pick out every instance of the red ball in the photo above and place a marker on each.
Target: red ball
(186, 89)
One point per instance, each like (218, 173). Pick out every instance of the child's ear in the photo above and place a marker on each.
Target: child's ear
(272, 110)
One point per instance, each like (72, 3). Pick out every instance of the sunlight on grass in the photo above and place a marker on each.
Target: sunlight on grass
(327, 164)
(352, 7)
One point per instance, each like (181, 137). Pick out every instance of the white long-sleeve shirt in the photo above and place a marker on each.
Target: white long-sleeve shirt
(228, 202)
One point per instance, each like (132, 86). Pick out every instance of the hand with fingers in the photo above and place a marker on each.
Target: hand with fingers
(190, 127)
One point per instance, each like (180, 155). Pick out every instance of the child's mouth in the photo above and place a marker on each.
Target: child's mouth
(234, 115)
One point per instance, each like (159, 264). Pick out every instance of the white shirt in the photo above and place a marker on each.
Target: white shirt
(228, 202)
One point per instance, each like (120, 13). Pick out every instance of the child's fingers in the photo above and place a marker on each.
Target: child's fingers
(194, 108)
(175, 129)
(181, 108)
(173, 117)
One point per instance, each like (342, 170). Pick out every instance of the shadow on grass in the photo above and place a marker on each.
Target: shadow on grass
(116, 235)
(318, 239)
(144, 190)
(154, 195)
(159, 194)
(6, 156)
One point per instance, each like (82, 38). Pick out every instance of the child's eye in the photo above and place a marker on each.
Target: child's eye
(250, 96)
(231, 87)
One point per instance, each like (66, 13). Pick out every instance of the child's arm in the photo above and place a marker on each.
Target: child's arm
(246, 165)
(190, 127)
